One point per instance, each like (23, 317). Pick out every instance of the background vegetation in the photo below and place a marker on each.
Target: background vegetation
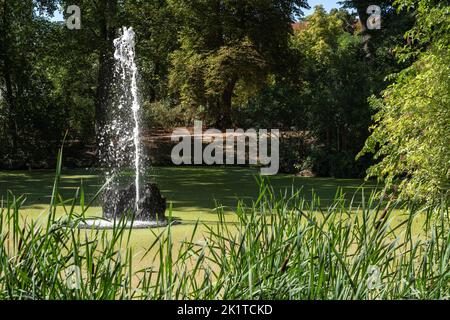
(345, 93)
(244, 64)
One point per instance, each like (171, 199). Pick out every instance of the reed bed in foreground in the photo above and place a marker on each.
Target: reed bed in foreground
(282, 247)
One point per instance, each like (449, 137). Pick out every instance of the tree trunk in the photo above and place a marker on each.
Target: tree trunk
(103, 89)
(226, 119)
(107, 13)
(361, 9)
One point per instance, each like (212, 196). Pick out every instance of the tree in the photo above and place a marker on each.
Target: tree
(53, 79)
(226, 45)
(411, 134)
(394, 24)
(156, 30)
(100, 24)
(25, 89)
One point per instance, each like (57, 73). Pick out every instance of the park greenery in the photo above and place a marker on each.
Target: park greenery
(238, 63)
(241, 64)
(371, 104)
(412, 121)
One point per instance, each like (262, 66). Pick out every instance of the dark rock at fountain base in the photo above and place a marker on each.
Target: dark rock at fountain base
(152, 205)
(117, 203)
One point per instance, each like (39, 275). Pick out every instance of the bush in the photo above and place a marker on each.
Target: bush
(163, 114)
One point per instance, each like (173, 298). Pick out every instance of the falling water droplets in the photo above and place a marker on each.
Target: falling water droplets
(121, 132)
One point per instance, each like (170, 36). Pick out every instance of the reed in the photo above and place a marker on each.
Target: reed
(281, 247)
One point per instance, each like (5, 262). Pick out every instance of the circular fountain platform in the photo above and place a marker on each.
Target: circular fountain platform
(108, 224)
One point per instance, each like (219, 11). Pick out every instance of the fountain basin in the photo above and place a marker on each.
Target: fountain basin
(120, 209)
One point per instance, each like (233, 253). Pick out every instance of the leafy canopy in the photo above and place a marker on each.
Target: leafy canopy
(411, 136)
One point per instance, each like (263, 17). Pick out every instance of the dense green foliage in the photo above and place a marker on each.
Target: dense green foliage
(239, 63)
(229, 46)
(411, 134)
(333, 59)
(29, 99)
(331, 85)
(54, 79)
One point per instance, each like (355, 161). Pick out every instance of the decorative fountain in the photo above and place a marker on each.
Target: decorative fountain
(138, 202)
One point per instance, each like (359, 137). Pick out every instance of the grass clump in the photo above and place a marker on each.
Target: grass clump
(282, 246)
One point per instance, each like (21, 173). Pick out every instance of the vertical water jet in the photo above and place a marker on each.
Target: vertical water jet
(124, 56)
(135, 199)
